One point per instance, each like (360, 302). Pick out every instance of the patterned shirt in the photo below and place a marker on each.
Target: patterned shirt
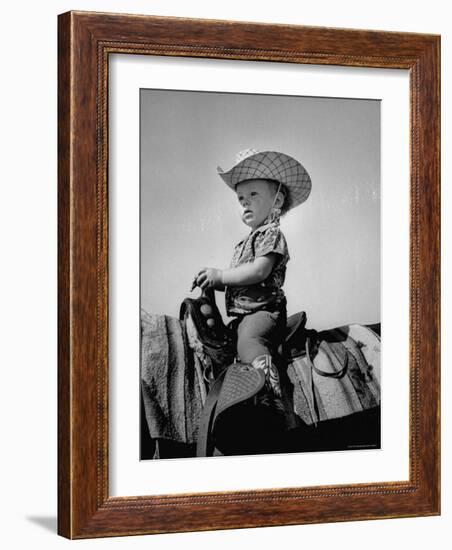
(268, 294)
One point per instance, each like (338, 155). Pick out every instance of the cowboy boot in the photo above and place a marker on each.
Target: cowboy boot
(270, 395)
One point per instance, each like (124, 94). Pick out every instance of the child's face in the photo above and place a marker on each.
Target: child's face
(256, 199)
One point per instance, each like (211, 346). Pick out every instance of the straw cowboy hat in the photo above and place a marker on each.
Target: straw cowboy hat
(254, 164)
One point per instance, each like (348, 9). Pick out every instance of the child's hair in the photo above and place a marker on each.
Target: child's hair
(282, 189)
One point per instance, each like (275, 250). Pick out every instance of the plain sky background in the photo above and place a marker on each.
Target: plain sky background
(191, 219)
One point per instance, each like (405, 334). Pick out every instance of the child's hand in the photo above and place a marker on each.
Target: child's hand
(209, 277)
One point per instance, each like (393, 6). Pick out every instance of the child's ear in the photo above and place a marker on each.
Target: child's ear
(279, 200)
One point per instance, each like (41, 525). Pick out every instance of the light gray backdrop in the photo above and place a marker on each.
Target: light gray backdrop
(191, 219)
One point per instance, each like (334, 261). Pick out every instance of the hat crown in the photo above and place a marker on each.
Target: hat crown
(242, 155)
(255, 164)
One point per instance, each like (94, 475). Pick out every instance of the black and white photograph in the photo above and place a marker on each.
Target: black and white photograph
(260, 262)
(224, 233)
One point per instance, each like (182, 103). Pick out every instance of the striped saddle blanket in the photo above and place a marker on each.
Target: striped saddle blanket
(340, 377)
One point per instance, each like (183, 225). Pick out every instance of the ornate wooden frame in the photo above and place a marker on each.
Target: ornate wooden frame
(84, 44)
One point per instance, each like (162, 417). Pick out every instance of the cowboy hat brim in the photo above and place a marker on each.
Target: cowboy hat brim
(274, 166)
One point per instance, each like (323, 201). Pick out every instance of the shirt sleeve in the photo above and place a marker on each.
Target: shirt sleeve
(271, 240)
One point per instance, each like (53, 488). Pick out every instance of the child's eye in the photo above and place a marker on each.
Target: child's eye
(253, 193)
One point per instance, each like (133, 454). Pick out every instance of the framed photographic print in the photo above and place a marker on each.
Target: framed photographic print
(248, 274)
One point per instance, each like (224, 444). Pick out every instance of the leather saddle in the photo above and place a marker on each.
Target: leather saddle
(230, 420)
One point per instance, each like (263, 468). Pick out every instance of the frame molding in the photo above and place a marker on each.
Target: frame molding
(85, 41)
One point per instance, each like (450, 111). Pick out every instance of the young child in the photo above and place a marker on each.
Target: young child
(267, 184)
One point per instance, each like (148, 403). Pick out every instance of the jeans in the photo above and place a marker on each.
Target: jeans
(260, 333)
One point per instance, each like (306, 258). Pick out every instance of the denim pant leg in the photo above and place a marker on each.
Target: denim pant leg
(259, 333)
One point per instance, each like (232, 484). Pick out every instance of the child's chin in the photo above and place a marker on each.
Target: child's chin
(249, 223)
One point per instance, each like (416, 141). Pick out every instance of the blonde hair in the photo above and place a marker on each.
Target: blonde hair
(276, 185)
